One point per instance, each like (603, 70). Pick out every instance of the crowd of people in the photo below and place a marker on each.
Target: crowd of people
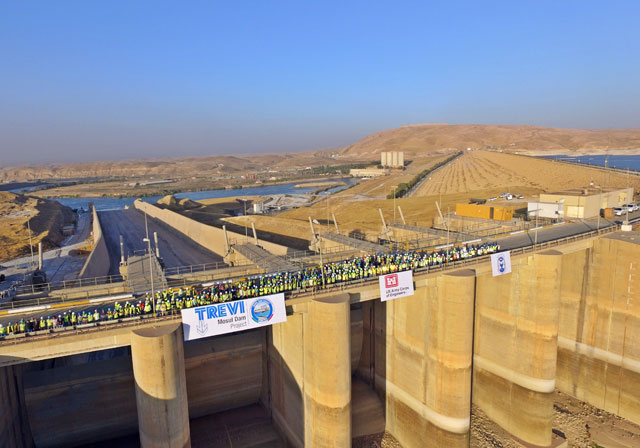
(171, 301)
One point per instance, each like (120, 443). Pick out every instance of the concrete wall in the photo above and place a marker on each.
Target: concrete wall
(428, 362)
(516, 327)
(98, 262)
(311, 359)
(599, 327)
(207, 236)
(14, 424)
(94, 393)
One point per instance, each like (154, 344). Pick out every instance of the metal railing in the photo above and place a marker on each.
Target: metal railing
(65, 284)
(183, 282)
(312, 291)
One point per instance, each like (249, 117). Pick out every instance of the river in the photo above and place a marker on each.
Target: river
(105, 203)
(615, 161)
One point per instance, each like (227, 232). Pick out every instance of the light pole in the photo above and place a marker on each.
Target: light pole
(535, 240)
(327, 195)
(30, 243)
(246, 233)
(394, 203)
(153, 298)
(599, 206)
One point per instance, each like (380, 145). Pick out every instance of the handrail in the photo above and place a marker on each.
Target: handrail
(427, 269)
(139, 320)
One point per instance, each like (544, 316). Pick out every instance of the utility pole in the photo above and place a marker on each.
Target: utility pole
(448, 211)
(30, 243)
(153, 298)
(246, 232)
(394, 203)
(148, 241)
(599, 205)
(327, 194)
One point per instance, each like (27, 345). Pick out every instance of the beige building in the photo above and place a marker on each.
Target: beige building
(368, 172)
(587, 202)
(393, 159)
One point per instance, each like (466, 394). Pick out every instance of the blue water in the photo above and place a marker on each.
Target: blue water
(270, 190)
(619, 161)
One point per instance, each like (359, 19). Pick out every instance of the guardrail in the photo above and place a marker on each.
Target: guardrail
(336, 286)
(116, 288)
(76, 283)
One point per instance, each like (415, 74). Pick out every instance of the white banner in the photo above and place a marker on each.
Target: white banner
(396, 285)
(237, 315)
(501, 263)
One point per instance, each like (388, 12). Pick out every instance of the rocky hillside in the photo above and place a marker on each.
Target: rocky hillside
(426, 139)
(165, 168)
(46, 218)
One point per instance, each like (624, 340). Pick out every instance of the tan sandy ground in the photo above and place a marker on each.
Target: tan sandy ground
(479, 174)
(380, 187)
(583, 425)
(46, 220)
(479, 170)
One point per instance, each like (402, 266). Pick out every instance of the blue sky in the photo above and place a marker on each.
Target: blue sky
(98, 80)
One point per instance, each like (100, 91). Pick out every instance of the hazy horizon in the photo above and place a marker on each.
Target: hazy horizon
(85, 81)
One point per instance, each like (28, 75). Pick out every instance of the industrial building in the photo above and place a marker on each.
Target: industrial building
(367, 172)
(393, 159)
(587, 202)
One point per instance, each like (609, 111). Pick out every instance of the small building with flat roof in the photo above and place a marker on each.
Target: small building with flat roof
(587, 202)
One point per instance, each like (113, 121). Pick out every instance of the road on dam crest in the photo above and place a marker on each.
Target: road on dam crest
(175, 250)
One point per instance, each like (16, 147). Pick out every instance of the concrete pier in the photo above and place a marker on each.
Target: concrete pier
(599, 330)
(516, 345)
(327, 372)
(157, 356)
(310, 373)
(428, 363)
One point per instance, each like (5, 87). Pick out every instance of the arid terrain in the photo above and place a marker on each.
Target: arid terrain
(482, 170)
(18, 212)
(420, 139)
(478, 174)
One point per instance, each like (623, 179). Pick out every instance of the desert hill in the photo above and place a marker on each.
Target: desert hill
(426, 139)
(47, 218)
(176, 167)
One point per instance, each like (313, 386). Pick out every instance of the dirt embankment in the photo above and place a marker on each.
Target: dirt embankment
(19, 212)
(482, 170)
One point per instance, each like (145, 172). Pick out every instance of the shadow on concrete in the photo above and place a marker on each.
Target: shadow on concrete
(368, 386)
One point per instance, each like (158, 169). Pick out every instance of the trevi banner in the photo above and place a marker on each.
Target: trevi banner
(238, 315)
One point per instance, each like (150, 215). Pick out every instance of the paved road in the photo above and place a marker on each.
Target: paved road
(561, 231)
(175, 249)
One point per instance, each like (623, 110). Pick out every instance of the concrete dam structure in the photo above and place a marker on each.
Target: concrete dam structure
(346, 364)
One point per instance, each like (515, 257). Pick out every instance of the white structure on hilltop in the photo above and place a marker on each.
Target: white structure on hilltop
(393, 159)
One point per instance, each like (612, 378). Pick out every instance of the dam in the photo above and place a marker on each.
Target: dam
(346, 364)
